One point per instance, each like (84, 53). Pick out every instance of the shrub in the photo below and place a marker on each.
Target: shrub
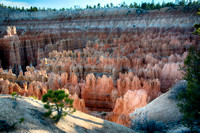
(4, 126)
(197, 27)
(34, 97)
(177, 88)
(14, 97)
(57, 101)
(143, 123)
(104, 114)
(18, 122)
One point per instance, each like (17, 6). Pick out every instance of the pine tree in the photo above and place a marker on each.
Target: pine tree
(135, 5)
(107, 6)
(98, 5)
(57, 101)
(197, 26)
(111, 5)
(190, 105)
(131, 5)
(158, 6)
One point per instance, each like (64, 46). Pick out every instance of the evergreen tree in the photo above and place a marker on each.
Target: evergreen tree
(98, 5)
(34, 9)
(90, 7)
(123, 4)
(190, 105)
(197, 26)
(158, 6)
(136, 5)
(43, 9)
(145, 6)
(131, 6)
(182, 3)
(111, 5)
(57, 101)
(63, 9)
(152, 6)
(163, 4)
(107, 6)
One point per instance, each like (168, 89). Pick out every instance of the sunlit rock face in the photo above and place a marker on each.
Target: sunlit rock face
(130, 101)
(110, 61)
(98, 93)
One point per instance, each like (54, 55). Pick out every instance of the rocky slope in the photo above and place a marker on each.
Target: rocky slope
(32, 111)
(163, 109)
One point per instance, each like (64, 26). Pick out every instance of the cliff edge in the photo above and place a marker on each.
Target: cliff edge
(32, 111)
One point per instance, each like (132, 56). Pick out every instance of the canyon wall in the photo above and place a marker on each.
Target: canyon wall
(110, 61)
(43, 31)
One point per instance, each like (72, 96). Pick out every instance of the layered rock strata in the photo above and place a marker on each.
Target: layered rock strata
(44, 31)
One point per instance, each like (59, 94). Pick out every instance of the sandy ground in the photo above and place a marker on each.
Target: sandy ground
(32, 111)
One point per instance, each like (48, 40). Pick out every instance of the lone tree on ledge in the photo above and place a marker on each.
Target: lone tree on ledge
(57, 101)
